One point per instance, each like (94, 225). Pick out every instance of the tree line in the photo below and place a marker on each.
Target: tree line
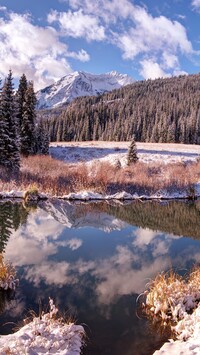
(161, 110)
(20, 132)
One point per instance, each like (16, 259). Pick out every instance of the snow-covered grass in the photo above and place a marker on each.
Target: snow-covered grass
(175, 300)
(7, 275)
(46, 334)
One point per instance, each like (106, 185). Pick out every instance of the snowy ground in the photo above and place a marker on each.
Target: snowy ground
(44, 335)
(89, 152)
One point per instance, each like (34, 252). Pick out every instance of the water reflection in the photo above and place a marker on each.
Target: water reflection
(94, 259)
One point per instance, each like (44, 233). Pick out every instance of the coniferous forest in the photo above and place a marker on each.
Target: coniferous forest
(20, 132)
(161, 110)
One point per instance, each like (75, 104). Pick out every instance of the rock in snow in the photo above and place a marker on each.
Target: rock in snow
(80, 84)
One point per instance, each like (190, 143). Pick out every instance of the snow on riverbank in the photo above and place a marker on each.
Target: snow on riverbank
(189, 342)
(90, 195)
(44, 335)
(172, 299)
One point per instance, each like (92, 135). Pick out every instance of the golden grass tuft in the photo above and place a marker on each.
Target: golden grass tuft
(170, 296)
(7, 274)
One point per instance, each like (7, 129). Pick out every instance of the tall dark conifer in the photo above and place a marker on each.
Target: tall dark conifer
(28, 122)
(20, 99)
(42, 139)
(10, 126)
(2, 132)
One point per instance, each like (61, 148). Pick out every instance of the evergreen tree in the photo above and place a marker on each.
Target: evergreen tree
(2, 132)
(42, 139)
(20, 99)
(132, 157)
(28, 121)
(9, 128)
(5, 224)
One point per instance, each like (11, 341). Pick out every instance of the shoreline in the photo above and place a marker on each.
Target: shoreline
(94, 196)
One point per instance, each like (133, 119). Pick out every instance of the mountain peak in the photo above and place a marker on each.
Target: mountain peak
(80, 83)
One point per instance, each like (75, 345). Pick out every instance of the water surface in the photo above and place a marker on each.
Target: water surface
(94, 259)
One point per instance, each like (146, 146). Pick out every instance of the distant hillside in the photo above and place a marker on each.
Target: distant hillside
(161, 110)
(79, 84)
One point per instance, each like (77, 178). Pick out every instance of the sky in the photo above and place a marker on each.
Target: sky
(47, 39)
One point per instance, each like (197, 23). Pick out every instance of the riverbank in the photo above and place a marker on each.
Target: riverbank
(90, 195)
(173, 301)
(85, 171)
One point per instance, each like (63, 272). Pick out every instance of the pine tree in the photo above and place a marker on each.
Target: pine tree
(132, 157)
(9, 129)
(28, 122)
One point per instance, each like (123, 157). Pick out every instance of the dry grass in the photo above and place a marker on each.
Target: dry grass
(7, 274)
(57, 178)
(169, 296)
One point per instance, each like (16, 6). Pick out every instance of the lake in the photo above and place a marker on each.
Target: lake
(95, 259)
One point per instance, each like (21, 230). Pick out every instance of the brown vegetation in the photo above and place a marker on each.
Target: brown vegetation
(55, 177)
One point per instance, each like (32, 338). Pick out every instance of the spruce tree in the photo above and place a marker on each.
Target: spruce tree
(42, 139)
(2, 132)
(9, 129)
(28, 122)
(132, 157)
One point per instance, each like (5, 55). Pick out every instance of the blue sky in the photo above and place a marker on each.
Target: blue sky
(46, 39)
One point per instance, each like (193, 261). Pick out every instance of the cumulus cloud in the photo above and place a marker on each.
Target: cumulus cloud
(82, 55)
(77, 24)
(34, 50)
(151, 70)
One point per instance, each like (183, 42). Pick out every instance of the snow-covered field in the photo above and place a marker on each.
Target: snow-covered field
(89, 152)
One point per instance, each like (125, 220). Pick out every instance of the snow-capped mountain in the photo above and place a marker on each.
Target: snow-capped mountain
(80, 84)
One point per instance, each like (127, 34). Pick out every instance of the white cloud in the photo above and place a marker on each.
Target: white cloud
(33, 50)
(74, 243)
(77, 24)
(145, 36)
(156, 42)
(3, 8)
(196, 4)
(52, 273)
(82, 55)
(144, 237)
(170, 60)
(151, 70)
(153, 35)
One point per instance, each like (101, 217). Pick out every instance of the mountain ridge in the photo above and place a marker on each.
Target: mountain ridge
(77, 84)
